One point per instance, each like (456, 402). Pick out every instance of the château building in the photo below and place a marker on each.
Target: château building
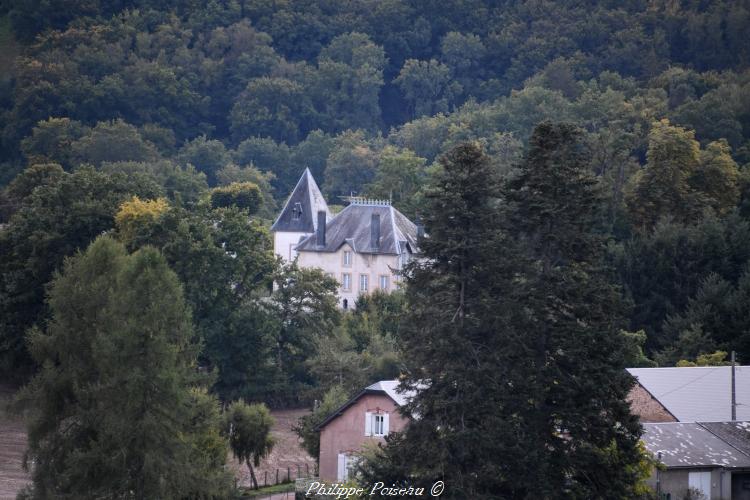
(364, 247)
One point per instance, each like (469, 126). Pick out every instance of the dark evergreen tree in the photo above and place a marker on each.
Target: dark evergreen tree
(514, 337)
(117, 410)
(452, 338)
(569, 351)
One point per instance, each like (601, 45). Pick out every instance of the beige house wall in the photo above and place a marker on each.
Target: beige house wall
(284, 243)
(346, 433)
(373, 266)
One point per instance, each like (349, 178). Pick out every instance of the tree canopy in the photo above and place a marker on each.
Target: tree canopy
(118, 406)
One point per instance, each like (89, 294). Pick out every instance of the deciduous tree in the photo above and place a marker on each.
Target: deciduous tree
(249, 431)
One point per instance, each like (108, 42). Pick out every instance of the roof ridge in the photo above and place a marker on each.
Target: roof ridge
(721, 438)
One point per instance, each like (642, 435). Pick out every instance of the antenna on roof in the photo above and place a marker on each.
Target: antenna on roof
(734, 397)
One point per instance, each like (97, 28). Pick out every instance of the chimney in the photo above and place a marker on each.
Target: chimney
(321, 236)
(375, 231)
(420, 230)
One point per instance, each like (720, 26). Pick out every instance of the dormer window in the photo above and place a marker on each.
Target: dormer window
(297, 211)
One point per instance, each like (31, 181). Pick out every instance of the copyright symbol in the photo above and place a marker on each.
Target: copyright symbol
(437, 489)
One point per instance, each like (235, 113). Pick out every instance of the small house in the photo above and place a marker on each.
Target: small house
(365, 419)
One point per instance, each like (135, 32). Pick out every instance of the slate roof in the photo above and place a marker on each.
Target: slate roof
(692, 445)
(385, 387)
(352, 225)
(698, 394)
(735, 433)
(307, 194)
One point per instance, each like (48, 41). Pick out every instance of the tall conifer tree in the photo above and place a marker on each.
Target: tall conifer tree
(451, 337)
(582, 438)
(513, 337)
(116, 411)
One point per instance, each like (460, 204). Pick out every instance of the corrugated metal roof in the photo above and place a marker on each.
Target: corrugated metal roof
(698, 394)
(691, 445)
(352, 226)
(307, 197)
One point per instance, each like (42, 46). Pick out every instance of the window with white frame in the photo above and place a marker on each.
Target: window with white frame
(346, 281)
(376, 424)
(403, 259)
(384, 281)
(347, 258)
(364, 282)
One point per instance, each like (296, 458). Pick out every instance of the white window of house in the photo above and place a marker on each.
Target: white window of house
(346, 281)
(376, 424)
(342, 473)
(701, 481)
(384, 281)
(364, 281)
(403, 259)
(347, 258)
(346, 465)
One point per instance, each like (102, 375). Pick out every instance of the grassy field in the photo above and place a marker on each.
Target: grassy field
(8, 48)
(265, 492)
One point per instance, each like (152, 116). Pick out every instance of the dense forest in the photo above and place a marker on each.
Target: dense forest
(171, 124)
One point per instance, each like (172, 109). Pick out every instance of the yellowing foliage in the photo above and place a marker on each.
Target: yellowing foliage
(135, 213)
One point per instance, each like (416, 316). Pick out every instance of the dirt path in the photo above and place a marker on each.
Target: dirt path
(12, 447)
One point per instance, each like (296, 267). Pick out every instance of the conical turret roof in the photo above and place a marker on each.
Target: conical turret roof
(300, 212)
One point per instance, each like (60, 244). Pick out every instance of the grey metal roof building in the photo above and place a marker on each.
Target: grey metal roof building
(300, 212)
(369, 226)
(698, 394)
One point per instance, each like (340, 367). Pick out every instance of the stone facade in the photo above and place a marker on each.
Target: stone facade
(646, 407)
(379, 270)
